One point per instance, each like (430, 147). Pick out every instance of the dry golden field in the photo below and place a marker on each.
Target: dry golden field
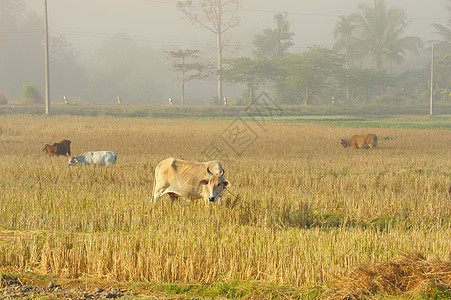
(307, 208)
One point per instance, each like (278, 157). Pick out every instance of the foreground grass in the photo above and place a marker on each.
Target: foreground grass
(234, 289)
(307, 209)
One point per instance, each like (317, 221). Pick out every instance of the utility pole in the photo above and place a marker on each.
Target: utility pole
(46, 46)
(219, 46)
(432, 79)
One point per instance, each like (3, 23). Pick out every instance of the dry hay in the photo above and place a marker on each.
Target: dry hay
(407, 276)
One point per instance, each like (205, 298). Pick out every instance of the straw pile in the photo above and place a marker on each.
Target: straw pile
(409, 275)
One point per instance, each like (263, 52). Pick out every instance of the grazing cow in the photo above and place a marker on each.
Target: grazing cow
(61, 148)
(98, 158)
(181, 178)
(364, 141)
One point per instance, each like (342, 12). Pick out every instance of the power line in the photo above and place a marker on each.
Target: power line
(128, 37)
(159, 41)
(290, 13)
(325, 15)
(21, 31)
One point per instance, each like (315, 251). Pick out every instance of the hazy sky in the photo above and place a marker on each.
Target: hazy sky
(159, 24)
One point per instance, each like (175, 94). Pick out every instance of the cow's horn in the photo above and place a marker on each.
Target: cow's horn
(222, 173)
(208, 170)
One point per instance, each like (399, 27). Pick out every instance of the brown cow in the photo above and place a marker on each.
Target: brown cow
(364, 141)
(61, 148)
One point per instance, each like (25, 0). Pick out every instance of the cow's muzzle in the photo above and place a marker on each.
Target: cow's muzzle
(212, 199)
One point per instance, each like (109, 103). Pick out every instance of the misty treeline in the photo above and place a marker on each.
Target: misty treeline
(118, 67)
(358, 69)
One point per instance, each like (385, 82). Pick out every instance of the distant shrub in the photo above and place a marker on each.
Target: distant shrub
(31, 94)
(3, 98)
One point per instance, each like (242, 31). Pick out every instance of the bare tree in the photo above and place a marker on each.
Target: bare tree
(217, 16)
(187, 63)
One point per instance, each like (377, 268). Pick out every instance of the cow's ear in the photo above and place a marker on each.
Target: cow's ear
(204, 181)
(226, 183)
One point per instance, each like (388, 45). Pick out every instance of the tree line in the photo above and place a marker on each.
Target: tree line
(321, 75)
(358, 69)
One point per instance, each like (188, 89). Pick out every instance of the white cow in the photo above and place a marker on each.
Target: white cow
(181, 178)
(94, 158)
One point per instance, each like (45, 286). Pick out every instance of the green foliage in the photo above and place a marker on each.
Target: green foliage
(366, 84)
(3, 98)
(443, 77)
(413, 84)
(249, 71)
(31, 94)
(273, 43)
(312, 71)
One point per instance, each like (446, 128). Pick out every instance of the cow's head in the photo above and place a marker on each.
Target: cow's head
(45, 148)
(73, 161)
(215, 185)
(343, 143)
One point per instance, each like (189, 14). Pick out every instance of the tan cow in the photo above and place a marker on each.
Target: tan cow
(364, 141)
(181, 178)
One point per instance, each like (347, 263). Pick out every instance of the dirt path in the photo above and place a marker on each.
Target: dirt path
(12, 288)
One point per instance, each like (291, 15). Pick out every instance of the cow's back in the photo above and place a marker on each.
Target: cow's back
(102, 157)
(359, 141)
(356, 141)
(63, 147)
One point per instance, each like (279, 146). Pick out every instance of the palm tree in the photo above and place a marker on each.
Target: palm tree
(380, 34)
(445, 33)
(344, 35)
